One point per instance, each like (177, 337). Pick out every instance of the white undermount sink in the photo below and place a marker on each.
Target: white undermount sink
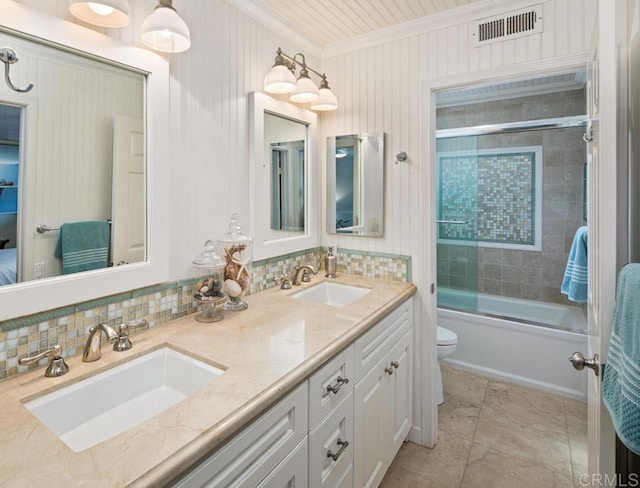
(102, 406)
(330, 293)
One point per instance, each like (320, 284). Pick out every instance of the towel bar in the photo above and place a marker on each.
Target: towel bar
(42, 228)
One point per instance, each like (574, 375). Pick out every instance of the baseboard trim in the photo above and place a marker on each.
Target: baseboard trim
(521, 380)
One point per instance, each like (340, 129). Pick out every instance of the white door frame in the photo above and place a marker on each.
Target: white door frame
(427, 211)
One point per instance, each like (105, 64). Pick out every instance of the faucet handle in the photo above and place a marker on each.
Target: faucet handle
(305, 276)
(56, 367)
(123, 343)
(284, 282)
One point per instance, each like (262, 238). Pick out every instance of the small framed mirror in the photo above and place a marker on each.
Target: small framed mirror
(355, 184)
(282, 177)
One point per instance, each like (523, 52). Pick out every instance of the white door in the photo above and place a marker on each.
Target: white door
(602, 249)
(128, 206)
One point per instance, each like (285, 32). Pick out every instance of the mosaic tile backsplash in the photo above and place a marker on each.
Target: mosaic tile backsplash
(493, 191)
(69, 326)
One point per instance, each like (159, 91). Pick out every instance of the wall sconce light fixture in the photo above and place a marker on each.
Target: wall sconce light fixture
(164, 30)
(105, 13)
(282, 79)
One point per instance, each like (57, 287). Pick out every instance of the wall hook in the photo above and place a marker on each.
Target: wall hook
(401, 157)
(8, 56)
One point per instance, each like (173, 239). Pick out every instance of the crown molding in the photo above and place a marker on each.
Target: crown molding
(421, 25)
(266, 16)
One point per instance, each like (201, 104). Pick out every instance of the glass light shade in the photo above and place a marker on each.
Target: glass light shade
(105, 13)
(326, 101)
(279, 80)
(165, 31)
(306, 91)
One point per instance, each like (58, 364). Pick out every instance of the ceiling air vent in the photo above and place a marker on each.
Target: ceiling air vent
(507, 26)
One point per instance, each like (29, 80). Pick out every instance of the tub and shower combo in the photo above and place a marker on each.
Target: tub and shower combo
(511, 196)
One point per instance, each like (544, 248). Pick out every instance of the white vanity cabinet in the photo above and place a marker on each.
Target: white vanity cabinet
(341, 428)
(383, 397)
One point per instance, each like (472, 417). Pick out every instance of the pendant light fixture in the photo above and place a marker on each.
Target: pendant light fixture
(164, 30)
(281, 79)
(105, 13)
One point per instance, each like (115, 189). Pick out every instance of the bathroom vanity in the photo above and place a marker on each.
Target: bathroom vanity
(310, 392)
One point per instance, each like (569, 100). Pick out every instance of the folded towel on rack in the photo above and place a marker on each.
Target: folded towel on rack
(621, 379)
(83, 246)
(574, 283)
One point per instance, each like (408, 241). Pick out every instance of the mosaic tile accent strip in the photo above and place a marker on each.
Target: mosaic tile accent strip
(494, 190)
(160, 304)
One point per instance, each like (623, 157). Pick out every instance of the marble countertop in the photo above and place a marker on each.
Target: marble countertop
(265, 350)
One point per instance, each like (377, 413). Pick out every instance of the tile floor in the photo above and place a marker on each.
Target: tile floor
(494, 434)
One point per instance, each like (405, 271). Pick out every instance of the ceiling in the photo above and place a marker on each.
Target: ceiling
(327, 22)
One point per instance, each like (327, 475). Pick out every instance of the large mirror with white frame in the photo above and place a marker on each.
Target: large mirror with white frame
(283, 177)
(65, 159)
(355, 184)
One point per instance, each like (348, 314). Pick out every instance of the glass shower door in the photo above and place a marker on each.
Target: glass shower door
(457, 222)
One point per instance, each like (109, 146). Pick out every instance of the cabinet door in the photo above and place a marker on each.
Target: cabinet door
(375, 343)
(331, 448)
(253, 453)
(291, 472)
(371, 406)
(401, 394)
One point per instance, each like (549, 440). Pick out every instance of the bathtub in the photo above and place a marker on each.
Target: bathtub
(531, 347)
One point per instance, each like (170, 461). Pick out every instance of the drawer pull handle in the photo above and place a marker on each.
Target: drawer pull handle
(395, 364)
(343, 445)
(389, 370)
(339, 382)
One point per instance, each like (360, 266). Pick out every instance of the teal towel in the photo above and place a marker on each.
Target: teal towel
(574, 283)
(83, 246)
(621, 379)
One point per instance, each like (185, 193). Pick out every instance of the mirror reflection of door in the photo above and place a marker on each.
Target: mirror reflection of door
(287, 185)
(348, 202)
(9, 187)
(285, 160)
(355, 184)
(128, 209)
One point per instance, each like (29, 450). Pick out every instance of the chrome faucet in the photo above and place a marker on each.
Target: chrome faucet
(304, 271)
(92, 350)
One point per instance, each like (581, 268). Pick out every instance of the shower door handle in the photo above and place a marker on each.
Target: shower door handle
(579, 362)
(457, 222)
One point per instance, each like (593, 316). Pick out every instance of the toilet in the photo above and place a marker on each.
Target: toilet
(447, 341)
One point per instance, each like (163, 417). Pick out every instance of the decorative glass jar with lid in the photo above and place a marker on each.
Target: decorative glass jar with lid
(236, 250)
(207, 290)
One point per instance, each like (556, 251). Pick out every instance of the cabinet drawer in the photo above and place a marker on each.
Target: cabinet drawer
(253, 453)
(330, 385)
(292, 471)
(375, 343)
(333, 438)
